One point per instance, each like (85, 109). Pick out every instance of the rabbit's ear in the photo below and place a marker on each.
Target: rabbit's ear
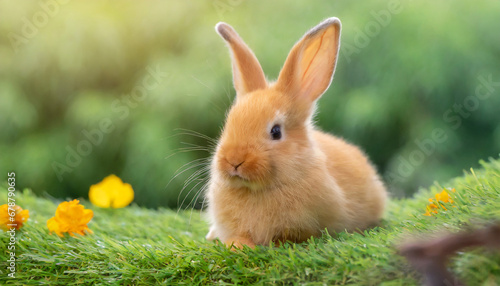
(247, 72)
(309, 67)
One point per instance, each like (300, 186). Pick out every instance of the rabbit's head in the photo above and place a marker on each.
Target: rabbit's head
(266, 139)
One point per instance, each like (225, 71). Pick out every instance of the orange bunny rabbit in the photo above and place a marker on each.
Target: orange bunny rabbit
(274, 176)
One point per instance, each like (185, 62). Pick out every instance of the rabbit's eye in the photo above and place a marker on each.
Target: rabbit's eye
(276, 132)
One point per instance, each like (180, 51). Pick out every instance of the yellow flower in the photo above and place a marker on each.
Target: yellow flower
(13, 217)
(444, 197)
(441, 198)
(71, 217)
(111, 192)
(431, 208)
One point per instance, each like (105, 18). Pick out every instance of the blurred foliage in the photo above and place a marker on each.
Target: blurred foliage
(120, 81)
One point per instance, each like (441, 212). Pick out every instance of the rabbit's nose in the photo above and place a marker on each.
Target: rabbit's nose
(237, 165)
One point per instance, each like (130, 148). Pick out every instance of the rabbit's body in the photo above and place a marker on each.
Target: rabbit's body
(275, 177)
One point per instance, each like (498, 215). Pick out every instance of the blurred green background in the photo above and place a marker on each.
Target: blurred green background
(90, 88)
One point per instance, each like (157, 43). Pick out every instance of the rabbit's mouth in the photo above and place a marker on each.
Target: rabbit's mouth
(241, 171)
(234, 172)
(236, 176)
(240, 181)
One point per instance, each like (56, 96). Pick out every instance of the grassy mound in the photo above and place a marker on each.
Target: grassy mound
(143, 246)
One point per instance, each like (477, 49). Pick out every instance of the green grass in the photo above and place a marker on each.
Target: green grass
(142, 246)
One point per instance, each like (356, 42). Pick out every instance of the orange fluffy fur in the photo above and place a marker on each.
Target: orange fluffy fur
(263, 190)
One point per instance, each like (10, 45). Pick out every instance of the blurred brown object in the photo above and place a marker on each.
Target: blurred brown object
(429, 258)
